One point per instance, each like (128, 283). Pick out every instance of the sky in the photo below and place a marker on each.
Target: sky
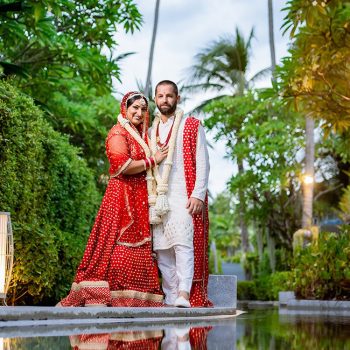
(185, 27)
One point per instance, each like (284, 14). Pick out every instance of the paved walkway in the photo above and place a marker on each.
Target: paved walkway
(30, 313)
(29, 321)
(221, 291)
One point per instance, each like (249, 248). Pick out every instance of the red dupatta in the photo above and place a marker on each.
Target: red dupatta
(199, 294)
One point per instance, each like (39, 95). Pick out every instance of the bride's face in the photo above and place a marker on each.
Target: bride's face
(136, 111)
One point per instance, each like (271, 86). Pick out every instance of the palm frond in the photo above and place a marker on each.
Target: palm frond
(222, 63)
(202, 87)
(262, 74)
(123, 56)
(198, 109)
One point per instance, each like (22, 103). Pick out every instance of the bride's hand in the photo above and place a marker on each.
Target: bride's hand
(161, 154)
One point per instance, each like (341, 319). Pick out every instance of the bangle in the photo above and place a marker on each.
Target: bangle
(153, 162)
(147, 162)
(144, 164)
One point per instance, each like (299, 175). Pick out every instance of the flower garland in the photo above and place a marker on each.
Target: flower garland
(162, 205)
(149, 177)
(157, 186)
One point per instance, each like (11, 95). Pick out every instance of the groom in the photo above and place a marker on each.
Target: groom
(181, 239)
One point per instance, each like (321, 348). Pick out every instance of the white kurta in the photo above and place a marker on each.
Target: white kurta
(177, 225)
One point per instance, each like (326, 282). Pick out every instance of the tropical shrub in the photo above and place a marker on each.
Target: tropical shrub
(265, 287)
(246, 290)
(262, 267)
(322, 270)
(51, 195)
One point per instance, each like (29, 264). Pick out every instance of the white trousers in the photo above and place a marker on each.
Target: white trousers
(176, 265)
(174, 339)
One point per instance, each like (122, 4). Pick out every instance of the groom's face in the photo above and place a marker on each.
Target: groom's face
(166, 99)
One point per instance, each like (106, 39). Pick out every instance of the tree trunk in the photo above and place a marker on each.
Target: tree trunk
(308, 186)
(260, 242)
(150, 60)
(271, 246)
(242, 206)
(242, 209)
(271, 36)
(215, 256)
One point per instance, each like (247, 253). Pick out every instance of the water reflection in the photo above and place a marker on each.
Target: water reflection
(118, 340)
(273, 331)
(260, 330)
(177, 338)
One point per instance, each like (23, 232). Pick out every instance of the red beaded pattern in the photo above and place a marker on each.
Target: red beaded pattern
(199, 294)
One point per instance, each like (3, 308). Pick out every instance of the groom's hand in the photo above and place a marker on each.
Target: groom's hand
(194, 206)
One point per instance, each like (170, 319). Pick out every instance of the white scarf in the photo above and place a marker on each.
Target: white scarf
(157, 199)
(125, 123)
(162, 204)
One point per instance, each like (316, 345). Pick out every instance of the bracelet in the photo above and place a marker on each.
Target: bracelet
(144, 164)
(153, 162)
(147, 162)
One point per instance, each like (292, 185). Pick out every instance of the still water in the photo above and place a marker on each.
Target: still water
(261, 330)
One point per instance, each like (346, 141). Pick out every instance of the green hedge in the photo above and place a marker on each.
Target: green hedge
(265, 287)
(51, 195)
(246, 290)
(322, 270)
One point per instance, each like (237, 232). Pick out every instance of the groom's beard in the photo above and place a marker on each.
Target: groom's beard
(167, 109)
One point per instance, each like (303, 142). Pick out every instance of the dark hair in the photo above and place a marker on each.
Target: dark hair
(168, 82)
(131, 100)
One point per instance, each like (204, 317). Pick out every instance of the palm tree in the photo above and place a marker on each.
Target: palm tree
(147, 90)
(270, 240)
(307, 182)
(271, 36)
(222, 67)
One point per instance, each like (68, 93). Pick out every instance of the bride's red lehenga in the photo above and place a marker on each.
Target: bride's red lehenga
(118, 268)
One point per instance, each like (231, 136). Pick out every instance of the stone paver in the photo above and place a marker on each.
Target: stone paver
(285, 297)
(59, 327)
(16, 313)
(222, 290)
(318, 305)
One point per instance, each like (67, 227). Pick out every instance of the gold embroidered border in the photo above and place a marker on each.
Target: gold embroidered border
(132, 336)
(93, 346)
(76, 287)
(95, 305)
(122, 168)
(123, 229)
(94, 284)
(134, 294)
(135, 244)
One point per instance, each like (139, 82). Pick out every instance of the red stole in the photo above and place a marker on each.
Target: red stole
(199, 294)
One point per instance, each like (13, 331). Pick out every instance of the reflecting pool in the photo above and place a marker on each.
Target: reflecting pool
(261, 330)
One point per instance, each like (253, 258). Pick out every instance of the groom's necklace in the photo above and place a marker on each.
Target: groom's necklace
(159, 144)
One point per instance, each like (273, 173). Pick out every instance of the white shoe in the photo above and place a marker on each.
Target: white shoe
(182, 302)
